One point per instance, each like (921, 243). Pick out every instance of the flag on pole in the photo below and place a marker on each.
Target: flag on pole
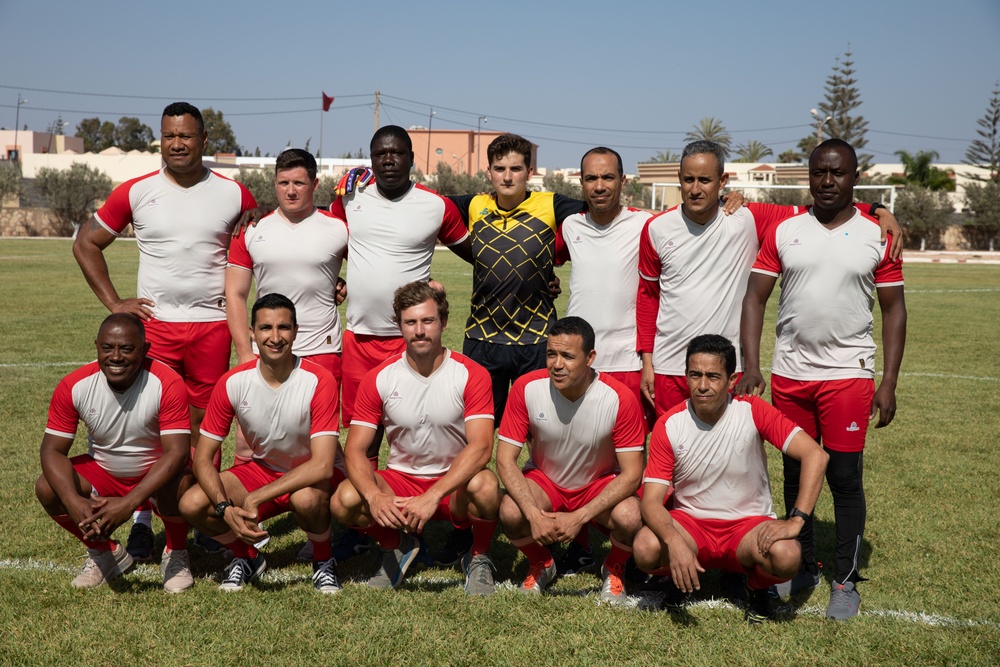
(327, 101)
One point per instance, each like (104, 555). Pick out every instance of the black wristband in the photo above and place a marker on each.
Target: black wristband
(874, 207)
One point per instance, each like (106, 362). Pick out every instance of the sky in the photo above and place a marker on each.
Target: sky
(633, 75)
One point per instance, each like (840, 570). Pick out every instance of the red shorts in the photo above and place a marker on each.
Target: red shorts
(717, 539)
(633, 380)
(405, 486)
(671, 390)
(253, 475)
(567, 500)
(833, 412)
(198, 351)
(104, 483)
(361, 354)
(331, 361)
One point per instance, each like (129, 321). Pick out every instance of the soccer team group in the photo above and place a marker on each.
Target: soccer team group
(661, 342)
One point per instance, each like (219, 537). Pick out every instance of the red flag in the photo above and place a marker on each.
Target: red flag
(327, 101)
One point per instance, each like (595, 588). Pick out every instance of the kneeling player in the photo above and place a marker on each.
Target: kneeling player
(138, 430)
(287, 409)
(437, 409)
(708, 451)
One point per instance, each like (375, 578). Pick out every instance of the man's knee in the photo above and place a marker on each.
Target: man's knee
(345, 502)
(626, 516)
(484, 491)
(193, 504)
(511, 517)
(647, 550)
(785, 557)
(46, 496)
(843, 473)
(309, 501)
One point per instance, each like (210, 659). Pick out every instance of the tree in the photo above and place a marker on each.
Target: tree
(637, 194)
(711, 129)
(326, 192)
(10, 180)
(448, 182)
(221, 138)
(924, 214)
(753, 151)
(842, 98)
(789, 156)
(918, 171)
(72, 193)
(558, 183)
(666, 156)
(985, 151)
(983, 200)
(132, 134)
(260, 183)
(96, 135)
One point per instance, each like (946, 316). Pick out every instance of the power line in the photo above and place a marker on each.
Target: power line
(158, 114)
(160, 97)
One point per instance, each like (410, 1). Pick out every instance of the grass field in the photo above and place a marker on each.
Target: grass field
(930, 552)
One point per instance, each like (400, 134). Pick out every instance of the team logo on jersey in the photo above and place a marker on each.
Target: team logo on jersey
(394, 396)
(244, 405)
(577, 239)
(670, 244)
(681, 450)
(92, 413)
(153, 203)
(540, 417)
(484, 211)
(357, 208)
(853, 427)
(258, 238)
(795, 242)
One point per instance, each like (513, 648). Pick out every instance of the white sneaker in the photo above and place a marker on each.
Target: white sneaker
(176, 569)
(103, 566)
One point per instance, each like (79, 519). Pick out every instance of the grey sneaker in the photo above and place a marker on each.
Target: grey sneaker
(242, 571)
(325, 576)
(478, 571)
(613, 586)
(539, 576)
(803, 581)
(395, 562)
(103, 566)
(140, 543)
(844, 601)
(176, 569)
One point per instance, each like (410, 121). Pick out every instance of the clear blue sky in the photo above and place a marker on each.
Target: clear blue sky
(633, 75)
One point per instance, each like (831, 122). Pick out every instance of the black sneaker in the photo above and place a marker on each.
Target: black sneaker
(241, 571)
(206, 543)
(673, 599)
(455, 547)
(351, 543)
(575, 559)
(758, 607)
(140, 543)
(325, 576)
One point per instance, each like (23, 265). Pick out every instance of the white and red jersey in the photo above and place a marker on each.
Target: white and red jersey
(718, 471)
(123, 429)
(302, 261)
(278, 423)
(603, 282)
(694, 278)
(828, 278)
(391, 244)
(183, 235)
(573, 442)
(424, 417)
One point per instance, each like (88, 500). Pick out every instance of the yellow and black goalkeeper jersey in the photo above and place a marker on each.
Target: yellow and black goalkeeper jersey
(514, 255)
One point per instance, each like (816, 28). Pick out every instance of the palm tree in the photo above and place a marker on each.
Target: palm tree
(665, 156)
(918, 170)
(711, 129)
(753, 151)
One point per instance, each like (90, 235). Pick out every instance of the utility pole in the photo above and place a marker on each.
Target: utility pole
(376, 112)
(479, 140)
(430, 122)
(17, 126)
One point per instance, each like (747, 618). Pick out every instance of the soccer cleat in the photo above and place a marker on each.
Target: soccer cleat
(103, 566)
(478, 571)
(206, 543)
(613, 587)
(575, 559)
(844, 601)
(758, 608)
(455, 547)
(803, 581)
(140, 543)
(395, 562)
(352, 543)
(241, 571)
(540, 575)
(325, 576)
(176, 569)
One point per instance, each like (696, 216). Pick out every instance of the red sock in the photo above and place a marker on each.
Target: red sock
(241, 549)
(617, 556)
(482, 535)
(322, 551)
(533, 551)
(387, 538)
(67, 523)
(176, 529)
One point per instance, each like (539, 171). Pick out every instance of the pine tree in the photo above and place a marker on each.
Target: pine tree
(842, 98)
(985, 152)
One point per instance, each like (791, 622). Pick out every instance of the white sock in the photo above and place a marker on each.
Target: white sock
(145, 517)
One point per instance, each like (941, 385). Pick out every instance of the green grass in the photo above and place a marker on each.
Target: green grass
(930, 545)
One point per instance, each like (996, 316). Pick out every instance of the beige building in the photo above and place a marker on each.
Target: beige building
(31, 142)
(462, 150)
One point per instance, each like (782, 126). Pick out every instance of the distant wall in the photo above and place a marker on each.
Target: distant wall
(27, 222)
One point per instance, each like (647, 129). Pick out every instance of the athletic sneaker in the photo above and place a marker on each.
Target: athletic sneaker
(206, 543)
(478, 571)
(804, 580)
(395, 562)
(613, 588)
(575, 559)
(844, 601)
(176, 569)
(140, 543)
(241, 571)
(540, 575)
(325, 576)
(455, 547)
(352, 543)
(103, 566)
(758, 607)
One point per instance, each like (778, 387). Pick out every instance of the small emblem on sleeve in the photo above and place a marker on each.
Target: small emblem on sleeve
(853, 427)
(394, 396)
(244, 406)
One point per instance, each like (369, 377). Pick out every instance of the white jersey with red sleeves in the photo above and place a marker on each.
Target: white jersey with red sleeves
(123, 430)
(302, 261)
(424, 417)
(828, 278)
(391, 244)
(701, 273)
(277, 423)
(573, 442)
(603, 283)
(718, 471)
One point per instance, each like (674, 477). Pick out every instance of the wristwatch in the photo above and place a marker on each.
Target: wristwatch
(220, 508)
(797, 512)
(876, 206)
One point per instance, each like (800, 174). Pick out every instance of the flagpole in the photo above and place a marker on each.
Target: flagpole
(321, 137)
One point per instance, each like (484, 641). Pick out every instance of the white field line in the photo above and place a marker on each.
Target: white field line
(650, 601)
(951, 291)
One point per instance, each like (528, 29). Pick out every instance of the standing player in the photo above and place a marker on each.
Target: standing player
(138, 430)
(823, 373)
(287, 409)
(707, 453)
(182, 216)
(436, 407)
(586, 434)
